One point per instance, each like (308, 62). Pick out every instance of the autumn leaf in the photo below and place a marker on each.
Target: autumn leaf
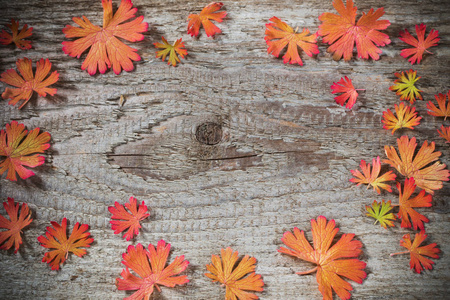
(426, 177)
(442, 111)
(27, 83)
(20, 148)
(345, 86)
(150, 275)
(17, 221)
(417, 253)
(381, 213)
(406, 118)
(342, 32)
(407, 205)
(209, 12)
(123, 219)
(445, 133)
(16, 37)
(405, 88)
(279, 34)
(331, 263)
(420, 45)
(106, 49)
(172, 50)
(56, 238)
(224, 271)
(370, 176)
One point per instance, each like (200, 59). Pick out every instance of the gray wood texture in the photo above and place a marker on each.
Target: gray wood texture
(284, 156)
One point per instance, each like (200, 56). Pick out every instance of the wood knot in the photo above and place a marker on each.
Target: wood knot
(209, 133)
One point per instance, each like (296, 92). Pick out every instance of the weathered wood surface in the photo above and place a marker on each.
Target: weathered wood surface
(284, 158)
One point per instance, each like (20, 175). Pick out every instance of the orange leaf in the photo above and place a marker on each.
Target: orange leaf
(442, 111)
(331, 262)
(151, 274)
(209, 12)
(18, 149)
(56, 238)
(16, 37)
(279, 34)
(417, 253)
(172, 50)
(405, 88)
(370, 177)
(29, 82)
(426, 177)
(17, 221)
(342, 32)
(406, 118)
(106, 49)
(407, 205)
(345, 86)
(236, 286)
(419, 46)
(124, 219)
(445, 133)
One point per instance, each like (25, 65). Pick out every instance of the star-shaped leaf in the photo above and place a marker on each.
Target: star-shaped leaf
(208, 13)
(370, 176)
(442, 111)
(406, 118)
(16, 37)
(404, 86)
(172, 50)
(445, 133)
(17, 221)
(420, 45)
(381, 213)
(345, 86)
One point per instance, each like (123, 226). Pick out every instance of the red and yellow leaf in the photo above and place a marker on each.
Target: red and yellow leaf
(442, 111)
(27, 83)
(172, 50)
(345, 86)
(150, 274)
(20, 148)
(420, 45)
(381, 213)
(17, 221)
(123, 219)
(370, 176)
(56, 238)
(16, 37)
(209, 12)
(404, 86)
(406, 118)
(407, 205)
(417, 253)
(445, 133)
(224, 271)
(279, 35)
(342, 32)
(331, 263)
(106, 50)
(427, 176)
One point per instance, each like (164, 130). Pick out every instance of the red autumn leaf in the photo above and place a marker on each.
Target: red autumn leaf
(150, 275)
(17, 221)
(442, 111)
(123, 219)
(345, 86)
(106, 49)
(404, 86)
(406, 118)
(16, 37)
(172, 50)
(226, 272)
(420, 45)
(417, 253)
(342, 31)
(27, 83)
(445, 133)
(20, 148)
(56, 238)
(407, 205)
(427, 176)
(332, 263)
(279, 34)
(370, 176)
(209, 12)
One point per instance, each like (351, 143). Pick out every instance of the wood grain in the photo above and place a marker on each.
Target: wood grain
(284, 156)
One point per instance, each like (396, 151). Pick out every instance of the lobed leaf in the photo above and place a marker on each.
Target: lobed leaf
(420, 45)
(17, 221)
(370, 176)
(406, 118)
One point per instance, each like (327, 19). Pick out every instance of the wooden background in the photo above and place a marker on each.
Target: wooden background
(284, 156)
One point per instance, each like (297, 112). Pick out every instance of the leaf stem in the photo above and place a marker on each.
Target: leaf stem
(307, 272)
(404, 252)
